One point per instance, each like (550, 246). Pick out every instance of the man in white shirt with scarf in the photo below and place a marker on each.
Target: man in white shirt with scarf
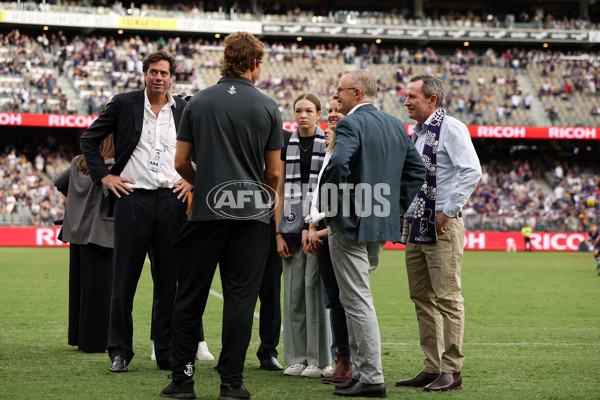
(436, 233)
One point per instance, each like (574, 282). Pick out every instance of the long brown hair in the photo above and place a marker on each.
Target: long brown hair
(107, 149)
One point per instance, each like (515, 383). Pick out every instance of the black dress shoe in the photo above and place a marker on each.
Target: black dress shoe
(119, 365)
(270, 364)
(363, 390)
(421, 380)
(346, 385)
(165, 365)
(446, 381)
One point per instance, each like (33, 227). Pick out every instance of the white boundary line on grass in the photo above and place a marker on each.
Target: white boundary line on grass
(257, 316)
(217, 295)
(505, 344)
(220, 296)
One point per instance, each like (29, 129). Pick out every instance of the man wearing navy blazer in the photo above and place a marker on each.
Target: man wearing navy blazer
(375, 171)
(149, 201)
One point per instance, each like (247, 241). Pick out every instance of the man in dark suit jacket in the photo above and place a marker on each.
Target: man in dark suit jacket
(376, 171)
(149, 201)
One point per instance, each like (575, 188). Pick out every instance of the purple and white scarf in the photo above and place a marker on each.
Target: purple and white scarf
(423, 230)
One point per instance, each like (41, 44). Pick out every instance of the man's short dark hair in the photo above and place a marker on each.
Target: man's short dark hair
(158, 56)
(431, 86)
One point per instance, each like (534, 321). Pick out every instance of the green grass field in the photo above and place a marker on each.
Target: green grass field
(532, 332)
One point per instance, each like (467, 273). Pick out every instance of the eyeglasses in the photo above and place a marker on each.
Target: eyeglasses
(341, 89)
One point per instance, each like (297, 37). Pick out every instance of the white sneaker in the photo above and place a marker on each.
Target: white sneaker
(328, 371)
(203, 354)
(153, 355)
(294, 369)
(312, 371)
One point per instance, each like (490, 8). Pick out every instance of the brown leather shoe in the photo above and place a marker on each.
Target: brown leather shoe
(422, 379)
(343, 370)
(446, 381)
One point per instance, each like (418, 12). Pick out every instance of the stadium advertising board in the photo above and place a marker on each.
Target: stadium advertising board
(185, 23)
(114, 21)
(503, 241)
(477, 131)
(429, 33)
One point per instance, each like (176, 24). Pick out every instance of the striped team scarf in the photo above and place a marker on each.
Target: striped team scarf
(423, 230)
(297, 199)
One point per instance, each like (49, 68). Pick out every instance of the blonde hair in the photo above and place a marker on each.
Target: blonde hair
(331, 144)
(107, 149)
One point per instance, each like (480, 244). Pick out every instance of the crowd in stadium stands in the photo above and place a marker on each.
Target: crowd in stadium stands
(96, 66)
(27, 197)
(509, 196)
(482, 87)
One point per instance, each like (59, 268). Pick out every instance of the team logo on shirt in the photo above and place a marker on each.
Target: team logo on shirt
(232, 90)
(189, 369)
(291, 217)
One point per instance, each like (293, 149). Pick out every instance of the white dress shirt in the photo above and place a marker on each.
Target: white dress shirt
(158, 132)
(458, 167)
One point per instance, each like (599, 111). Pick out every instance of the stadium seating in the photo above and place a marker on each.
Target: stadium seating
(480, 86)
(53, 73)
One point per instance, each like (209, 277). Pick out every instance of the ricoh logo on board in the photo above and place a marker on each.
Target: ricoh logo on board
(571, 133)
(11, 119)
(501, 131)
(71, 121)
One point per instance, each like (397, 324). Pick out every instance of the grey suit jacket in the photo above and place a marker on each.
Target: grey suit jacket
(373, 148)
(85, 220)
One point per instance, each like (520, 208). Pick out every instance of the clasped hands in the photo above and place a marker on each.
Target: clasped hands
(313, 238)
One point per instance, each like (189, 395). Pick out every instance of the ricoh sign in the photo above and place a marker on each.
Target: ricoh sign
(46, 120)
(476, 131)
(533, 132)
(540, 241)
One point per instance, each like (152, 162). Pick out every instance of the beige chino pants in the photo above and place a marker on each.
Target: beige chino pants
(434, 281)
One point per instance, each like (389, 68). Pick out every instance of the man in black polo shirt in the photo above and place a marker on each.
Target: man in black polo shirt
(235, 132)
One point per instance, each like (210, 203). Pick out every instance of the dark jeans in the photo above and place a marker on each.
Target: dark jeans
(240, 248)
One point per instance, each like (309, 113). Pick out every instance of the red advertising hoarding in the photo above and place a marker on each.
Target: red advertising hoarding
(477, 131)
(540, 241)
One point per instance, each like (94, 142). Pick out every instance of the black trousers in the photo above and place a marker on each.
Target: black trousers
(270, 302)
(145, 221)
(338, 314)
(90, 286)
(240, 248)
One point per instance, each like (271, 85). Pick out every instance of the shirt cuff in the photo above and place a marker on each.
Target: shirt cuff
(451, 211)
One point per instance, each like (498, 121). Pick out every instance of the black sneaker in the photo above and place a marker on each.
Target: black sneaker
(181, 390)
(229, 392)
